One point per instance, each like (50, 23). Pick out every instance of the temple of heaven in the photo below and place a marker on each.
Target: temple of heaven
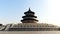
(29, 23)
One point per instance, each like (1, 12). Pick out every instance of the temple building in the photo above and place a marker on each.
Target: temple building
(29, 17)
(29, 23)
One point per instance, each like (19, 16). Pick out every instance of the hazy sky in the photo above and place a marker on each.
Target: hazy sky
(47, 11)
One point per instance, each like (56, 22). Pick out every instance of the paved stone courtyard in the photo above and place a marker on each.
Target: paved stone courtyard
(29, 32)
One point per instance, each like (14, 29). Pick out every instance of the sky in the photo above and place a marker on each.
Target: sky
(47, 11)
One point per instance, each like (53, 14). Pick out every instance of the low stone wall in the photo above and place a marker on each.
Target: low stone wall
(29, 32)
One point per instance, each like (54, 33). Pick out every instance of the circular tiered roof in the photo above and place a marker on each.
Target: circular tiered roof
(29, 11)
(29, 17)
